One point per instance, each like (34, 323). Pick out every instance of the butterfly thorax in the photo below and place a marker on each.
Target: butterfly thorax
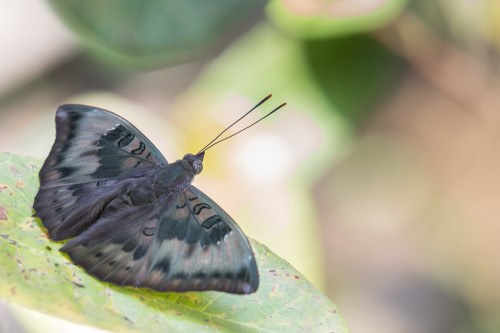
(178, 175)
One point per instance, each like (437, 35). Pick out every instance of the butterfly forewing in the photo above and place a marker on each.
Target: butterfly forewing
(94, 144)
(93, 149)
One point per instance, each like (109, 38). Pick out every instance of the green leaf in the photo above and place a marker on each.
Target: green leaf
(156, 32)
(355, 73)
(326, 18)
(35, 275)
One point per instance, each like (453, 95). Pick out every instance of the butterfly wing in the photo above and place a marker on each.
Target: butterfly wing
(93, 150)
(183, 242)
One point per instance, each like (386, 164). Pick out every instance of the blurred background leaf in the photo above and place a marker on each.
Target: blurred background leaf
(355, 72)
(156, 33)
(319, 19)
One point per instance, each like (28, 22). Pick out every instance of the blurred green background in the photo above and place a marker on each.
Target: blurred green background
(379, 181)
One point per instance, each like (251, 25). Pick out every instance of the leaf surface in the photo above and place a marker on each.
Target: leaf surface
(35, 275)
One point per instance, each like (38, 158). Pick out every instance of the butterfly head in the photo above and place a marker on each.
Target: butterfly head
(195, 161)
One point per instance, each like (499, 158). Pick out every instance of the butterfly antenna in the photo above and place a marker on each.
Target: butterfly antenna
(267, 115)
(218, 136)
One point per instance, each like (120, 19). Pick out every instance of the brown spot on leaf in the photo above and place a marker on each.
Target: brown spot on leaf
(13, 290)
(19, 184)
(48, 247)
(296, 276)
(3, 187)
(2, 214)
(14, 169)
(13, 242)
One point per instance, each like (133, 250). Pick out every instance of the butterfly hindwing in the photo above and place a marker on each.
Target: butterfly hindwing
(206, 249)
(93, 149)
(183, 242)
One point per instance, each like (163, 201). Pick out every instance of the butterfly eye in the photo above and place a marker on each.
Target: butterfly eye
(198, 166)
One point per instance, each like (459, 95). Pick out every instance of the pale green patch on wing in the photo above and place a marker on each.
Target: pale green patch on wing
(35, 275)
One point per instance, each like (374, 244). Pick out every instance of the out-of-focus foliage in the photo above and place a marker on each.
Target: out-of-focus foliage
(319, 18)
(158, 32)
(354, 72)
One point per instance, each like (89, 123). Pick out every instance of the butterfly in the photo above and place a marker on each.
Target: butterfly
(132, 218)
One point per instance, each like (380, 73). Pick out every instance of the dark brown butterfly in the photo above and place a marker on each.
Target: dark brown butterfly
(134, 218)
